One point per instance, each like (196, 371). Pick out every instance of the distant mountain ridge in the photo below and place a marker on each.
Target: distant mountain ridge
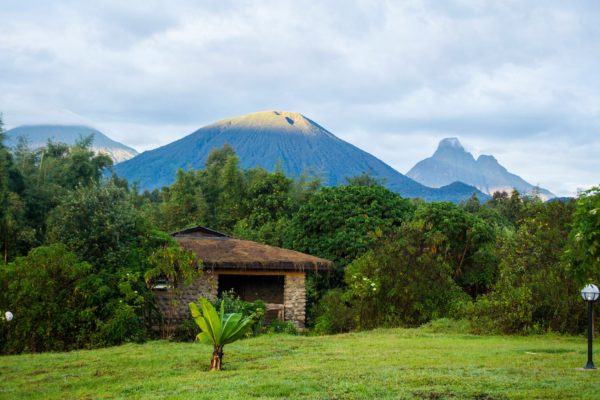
(451, 163)
(267, 138)
(38, 135)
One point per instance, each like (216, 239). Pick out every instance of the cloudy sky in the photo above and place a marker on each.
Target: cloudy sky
(516, 79)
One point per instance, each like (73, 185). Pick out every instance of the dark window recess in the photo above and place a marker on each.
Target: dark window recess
(253, 287)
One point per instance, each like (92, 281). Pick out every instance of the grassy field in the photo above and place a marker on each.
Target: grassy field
(394, 363)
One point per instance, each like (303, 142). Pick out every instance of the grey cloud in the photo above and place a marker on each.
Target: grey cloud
(391, 72)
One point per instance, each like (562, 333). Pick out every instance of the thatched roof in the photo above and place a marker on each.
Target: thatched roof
(228, 253)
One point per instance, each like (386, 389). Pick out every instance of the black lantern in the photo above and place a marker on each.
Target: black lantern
(590, 293)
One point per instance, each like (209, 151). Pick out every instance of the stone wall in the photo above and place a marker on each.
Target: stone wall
(205, 286)
(294, 298)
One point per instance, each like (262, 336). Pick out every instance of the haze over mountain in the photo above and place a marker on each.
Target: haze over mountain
(451, 163)
(270, 137)
(38, 135)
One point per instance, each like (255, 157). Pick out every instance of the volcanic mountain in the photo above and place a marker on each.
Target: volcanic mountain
(451, 163)
(269, 138)
(38, 135)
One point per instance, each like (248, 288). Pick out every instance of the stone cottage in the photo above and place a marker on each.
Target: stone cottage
(252, 270)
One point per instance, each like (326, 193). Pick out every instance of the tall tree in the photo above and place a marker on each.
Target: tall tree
(583, 252)
(49, 173)
(533, 291)
(14, 234)
(183, 204)
(97, 223)
(211, 181)
(231, 195)
(341, 223)
(466, 245)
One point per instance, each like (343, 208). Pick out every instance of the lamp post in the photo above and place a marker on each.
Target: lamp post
(590, 293)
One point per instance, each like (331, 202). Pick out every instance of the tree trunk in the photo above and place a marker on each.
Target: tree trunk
(217, 358)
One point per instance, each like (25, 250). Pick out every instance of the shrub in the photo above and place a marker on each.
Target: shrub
(123, 326)
(234, 304)
(186, 331)
(534, 292)
(46, 291)
(406, 281)
(507, 310)
(279, 326)
(333, 314)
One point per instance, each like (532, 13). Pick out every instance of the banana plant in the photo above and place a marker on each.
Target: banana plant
(218, 329)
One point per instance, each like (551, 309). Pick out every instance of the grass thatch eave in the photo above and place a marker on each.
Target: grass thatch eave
(228, 253)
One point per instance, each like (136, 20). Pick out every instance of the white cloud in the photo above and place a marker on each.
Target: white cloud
(509, 77)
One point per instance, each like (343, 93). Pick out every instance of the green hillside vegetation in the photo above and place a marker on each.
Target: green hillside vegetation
(382, 364)
(80, 248)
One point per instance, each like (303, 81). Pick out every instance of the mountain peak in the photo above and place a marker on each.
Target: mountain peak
(277, 139)
(450, 143)
(451, 162)
(37, 136)
(273, 120)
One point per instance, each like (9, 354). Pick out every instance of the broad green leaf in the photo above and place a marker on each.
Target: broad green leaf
(229, 324)
(212, 319)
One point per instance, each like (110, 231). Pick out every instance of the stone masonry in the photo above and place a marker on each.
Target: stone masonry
(294, 298)
(205, 286)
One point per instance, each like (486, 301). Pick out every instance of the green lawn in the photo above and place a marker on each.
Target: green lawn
(392, 363)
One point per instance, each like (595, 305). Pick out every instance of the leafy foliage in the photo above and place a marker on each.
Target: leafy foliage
(183, 204)
(333, 313)
(49, 293)
(177, 268)
(583, 253)
(533, 292)
(97, 223)
(405, 281)
(218, 329)
(253, 309)
(341, 223)
(502, 264)
(464, 241)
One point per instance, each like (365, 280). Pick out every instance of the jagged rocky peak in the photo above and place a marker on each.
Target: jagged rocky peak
(451, 150)
(451, 162)
(451, 143)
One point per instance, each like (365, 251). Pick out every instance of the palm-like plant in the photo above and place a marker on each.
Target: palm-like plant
(218, 329)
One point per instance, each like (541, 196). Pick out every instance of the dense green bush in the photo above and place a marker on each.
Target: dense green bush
(279, 326)
(48, 293)
(62, 304)
(464, 241)
(534, 291)
(405, 281)
(234, 304)
(186, 330)
(341, 223)
(583, 251)
(333, 313)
